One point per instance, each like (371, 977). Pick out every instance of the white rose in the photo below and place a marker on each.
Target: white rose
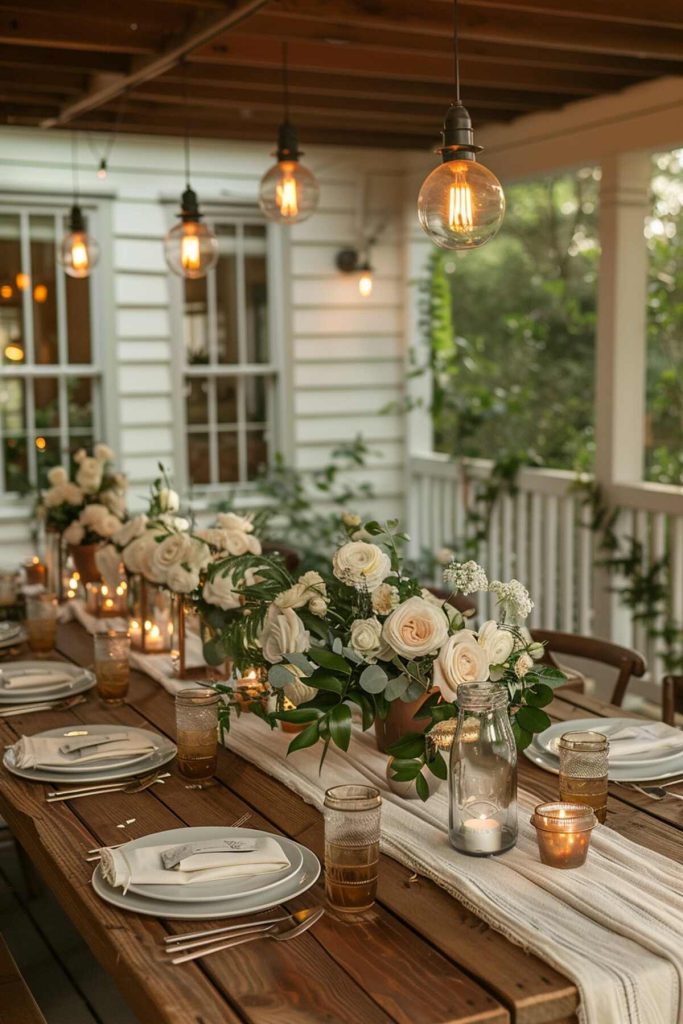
(498, 643)
(361, 565)
(169, 500)
(366, 638)
(223, 592)
(238, 542)
(351, 520)
(415, 628)
(54, 496)
(523, 664)
(175, 523)
(198, 554)
(94, 516)
(103, 453)
(74, 533)
(293, 597)
(137, 556)
(460, 660)
(79, 456)
(109, 525)
(309, 590)
(173, 550)
(57, 475)
(385, 599)
(231, 521)
(283, 633)
(108, 561)
(89, 475)
(73, 495)
(318, 606)
(182, 581)
(135, 527)
(445, 556)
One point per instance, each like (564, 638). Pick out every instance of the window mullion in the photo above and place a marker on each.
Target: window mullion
(62, 349)
(27, 293)
(31, 431)
(241, 428)
(213, 432)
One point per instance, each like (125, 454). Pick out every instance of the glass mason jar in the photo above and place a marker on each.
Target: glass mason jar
(41, 623)
(583, 770)
(196, 713)
(112, 669)
(352, 832)
(483, 775)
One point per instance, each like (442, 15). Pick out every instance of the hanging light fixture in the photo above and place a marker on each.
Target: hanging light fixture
(461, 204)
(191, 248)
(78, 251)
(289, 192)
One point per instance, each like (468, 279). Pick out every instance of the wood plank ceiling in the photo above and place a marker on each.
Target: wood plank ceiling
(362, 72)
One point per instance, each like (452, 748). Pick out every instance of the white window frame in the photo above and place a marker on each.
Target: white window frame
(25, 205)
(279, 420)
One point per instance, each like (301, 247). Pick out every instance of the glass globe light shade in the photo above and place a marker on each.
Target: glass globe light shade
(365, 282)
(191, 249)
(288, 192)
(78, 253)
(461, 205)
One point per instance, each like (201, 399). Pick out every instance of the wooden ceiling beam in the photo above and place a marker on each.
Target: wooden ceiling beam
(664, 13)
(81, 61)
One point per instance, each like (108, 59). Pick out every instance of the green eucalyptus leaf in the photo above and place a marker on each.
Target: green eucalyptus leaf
(301, 662)
(214, 651)
(329, 660)
(373, 679)
(413, 692)
(396, 687)
(279, 676)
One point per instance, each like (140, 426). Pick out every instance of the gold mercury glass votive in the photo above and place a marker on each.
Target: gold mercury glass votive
(41, 623)
(111, 665)
(352, 833)
(563, 832)
(196, 712)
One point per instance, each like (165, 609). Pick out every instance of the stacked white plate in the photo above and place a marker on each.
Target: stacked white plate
(30, 682)
(229, 897)
(11, 635)
(640, 751)
(94, 771)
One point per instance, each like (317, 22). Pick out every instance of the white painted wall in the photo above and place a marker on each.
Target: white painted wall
(343, 355)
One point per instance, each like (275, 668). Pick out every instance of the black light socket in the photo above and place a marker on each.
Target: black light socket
(189, 204)
(76, 219)
(287, 142)
(458, 135)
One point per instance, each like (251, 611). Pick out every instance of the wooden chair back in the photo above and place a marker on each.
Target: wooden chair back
(627, 661)
(672, 698)
(459, 601)
(289, 555)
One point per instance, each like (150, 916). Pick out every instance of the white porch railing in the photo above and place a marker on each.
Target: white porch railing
(539, 535)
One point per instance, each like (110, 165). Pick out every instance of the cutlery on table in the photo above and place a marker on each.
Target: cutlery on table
(281, 932)
(27, 709)
(136, 786)
(98, 850)
(178, 943)
(655, 792)
(75, 746)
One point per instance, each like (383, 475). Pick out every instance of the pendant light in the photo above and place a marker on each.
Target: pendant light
(78, 251)
(288, 193)
(461, 204)
(191, 248)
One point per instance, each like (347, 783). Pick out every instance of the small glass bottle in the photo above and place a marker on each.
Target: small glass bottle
(583, 770)
(483, 775)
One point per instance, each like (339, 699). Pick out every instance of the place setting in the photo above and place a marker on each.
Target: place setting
(12, 637)
(27, 686)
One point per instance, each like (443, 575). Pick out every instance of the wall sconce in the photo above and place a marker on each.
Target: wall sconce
(349, 262)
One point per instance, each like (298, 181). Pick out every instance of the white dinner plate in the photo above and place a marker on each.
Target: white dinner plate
(630, 773)
(165, 752)
(81, 680)
(224, 888)
(304, 878)
(548, 740)
(12, 639)
(9, 630)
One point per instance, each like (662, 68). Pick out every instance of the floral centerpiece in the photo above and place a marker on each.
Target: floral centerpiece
(366, 635)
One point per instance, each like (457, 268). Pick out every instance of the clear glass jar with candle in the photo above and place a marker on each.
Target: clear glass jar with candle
(196, 712)
(352, 831)
(563, 831)
(483, 775)
(583, 770)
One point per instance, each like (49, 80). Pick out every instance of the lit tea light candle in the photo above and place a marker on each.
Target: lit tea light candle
(35, 571)
(563, 832)
(250, 686)
(482, 835)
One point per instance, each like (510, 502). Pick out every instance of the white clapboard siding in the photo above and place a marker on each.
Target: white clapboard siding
(348, 374)
(359, 349)
(344, 400)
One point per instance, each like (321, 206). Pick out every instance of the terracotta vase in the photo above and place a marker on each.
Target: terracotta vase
(84, 559)
(399, 721)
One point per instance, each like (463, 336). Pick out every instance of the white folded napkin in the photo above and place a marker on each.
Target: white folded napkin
(641, 740)
(44, 752)
(142, 865)
(19, 680)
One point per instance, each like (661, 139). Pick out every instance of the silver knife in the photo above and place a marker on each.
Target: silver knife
(76, 746)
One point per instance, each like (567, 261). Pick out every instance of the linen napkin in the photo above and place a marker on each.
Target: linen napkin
(19, 680)
(650, 739)
(123, 867)
(44, 752)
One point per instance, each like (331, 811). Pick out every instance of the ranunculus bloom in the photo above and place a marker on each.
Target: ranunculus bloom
(460, 660)
(366, 638)
(221, 591)
(103, 453)
(385, 599)
(57, 475)
(231, 521)
(361, 565)
(89, 475)
(415, 628)
(498, 643)
(181, 580)
(135, 527)
(173, 550)
(283, 633)
(238, 542)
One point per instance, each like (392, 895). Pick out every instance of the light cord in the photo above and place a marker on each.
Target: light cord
(456, 52)
(285, 80)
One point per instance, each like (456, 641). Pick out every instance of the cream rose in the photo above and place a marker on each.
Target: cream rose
(57, 475)
(318, 606)
(198, 554)
(415, 628)
(498, 643)
(283, 633)
(460, 660)
(79, 456)
(103, 453)
(182, 581)
(366, 638)
(523, 664)
(135, 527)
(173, 550)
(108, 561)
(361, 565)
(72, 493)
(222, 592)
(231, 521)
(385, 599)
(74, 533)
(89, 475)
(93, 517)
(168, 500)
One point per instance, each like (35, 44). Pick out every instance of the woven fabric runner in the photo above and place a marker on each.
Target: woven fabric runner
(614, 926)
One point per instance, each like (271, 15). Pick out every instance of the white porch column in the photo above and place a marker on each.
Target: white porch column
(620, 349)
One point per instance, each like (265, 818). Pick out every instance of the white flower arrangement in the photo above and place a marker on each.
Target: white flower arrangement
(91, 507)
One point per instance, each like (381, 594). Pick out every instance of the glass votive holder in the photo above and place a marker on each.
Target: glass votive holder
(196, 715)
(583, 770)
(8, 587)
(563, 831)
(41, 623)
(112, 670)
(352, 831)
(35, 572)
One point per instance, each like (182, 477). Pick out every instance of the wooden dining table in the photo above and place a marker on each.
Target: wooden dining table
(418, 957)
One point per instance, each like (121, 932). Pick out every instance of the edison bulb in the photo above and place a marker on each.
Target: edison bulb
(461, 205)
(191, 249)
(288, 193)
(365, 282)
(78, 253)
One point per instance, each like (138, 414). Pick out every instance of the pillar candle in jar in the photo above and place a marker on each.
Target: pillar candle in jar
(482, 835)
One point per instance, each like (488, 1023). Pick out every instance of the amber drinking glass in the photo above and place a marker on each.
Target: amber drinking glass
(583, 770)
(196, 712)
(352, 830)
(41, 623)
(111, 665)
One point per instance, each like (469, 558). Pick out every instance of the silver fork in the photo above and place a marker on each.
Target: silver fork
(97, 850)
(279, 932)
(656, 792)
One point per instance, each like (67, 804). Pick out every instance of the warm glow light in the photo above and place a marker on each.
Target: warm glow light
(460, 205)
(104, 590)
(22, 281)
(41, 444)
(189, 252)
(79, 253)
(365, 283)
(14, 352)
(6, 291)
(286, 196)
(288, 192)
(40, 293)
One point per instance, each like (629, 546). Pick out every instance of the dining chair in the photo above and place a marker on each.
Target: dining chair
(672, 698)
(290, 557)
(627, 661)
